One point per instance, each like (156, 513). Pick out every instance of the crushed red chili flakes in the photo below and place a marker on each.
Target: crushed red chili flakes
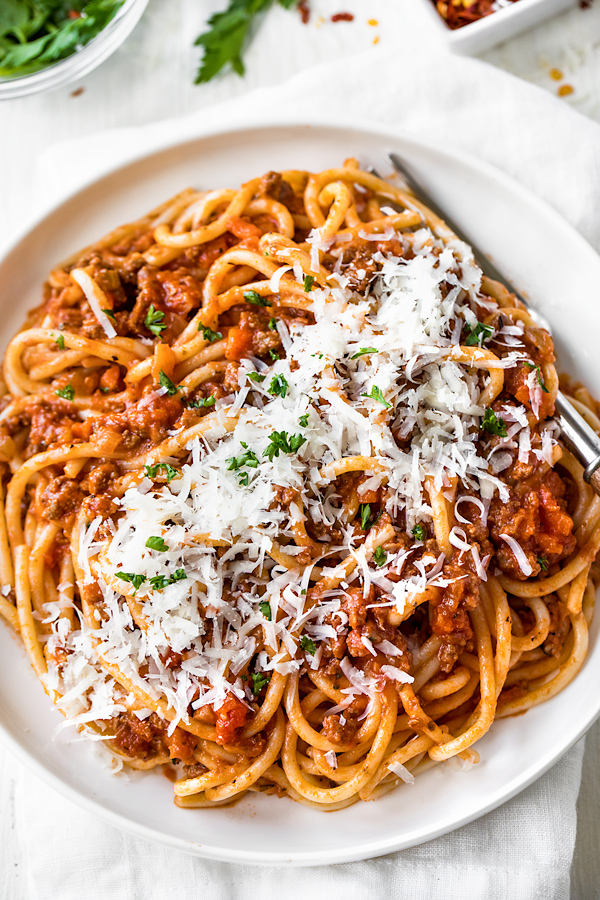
(343, 17)
(459, 13)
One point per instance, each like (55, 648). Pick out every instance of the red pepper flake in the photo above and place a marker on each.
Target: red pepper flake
(304, 10)
(565, 89)
(342, 17)
(78, 92)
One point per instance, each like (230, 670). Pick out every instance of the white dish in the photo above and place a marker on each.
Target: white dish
(491, 30)
(524, 235)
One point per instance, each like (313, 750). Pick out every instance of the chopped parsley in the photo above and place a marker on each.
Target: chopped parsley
(280, 442)
(493, 423)
(166, 382)
(265, 608)
(309, 280)
(155, 320)
(60, 340)
(259, 682)
(419, 532)
(278, 386)
(377, 394)
(256, 376)
(249, 458)
(243, 478)
(67, 393)
(209, 335)
(110, 313)
(273, 324)
(255, 298)
(479, 334)
(136, 580)
(170, 471)
(364, 351)
(542, 563)
(157, 543)
(308, 645)
(365, 515)
(380, 556)
(537, 369)
(303, 420)
(201, 403)
(159, 582)
(274, 355)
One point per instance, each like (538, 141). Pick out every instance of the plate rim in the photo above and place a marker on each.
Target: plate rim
(380, 846)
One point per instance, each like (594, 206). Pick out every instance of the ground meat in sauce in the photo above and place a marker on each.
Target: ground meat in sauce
(145, 738)
(232, 716)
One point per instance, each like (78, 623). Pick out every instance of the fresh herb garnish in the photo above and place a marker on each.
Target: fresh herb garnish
(255, 298)
(36, 33)
(159, 582)
(243, 478)
(265, 608)
(227, 35)
(166, 382)
(363, 352)
(380, 556)
(303, 420)
(256, 376)
(419, 532)
(278, 386)
(537, 369)
(170, 471)
(60, 340)
(308, 645)
(281, 442)
(136, 580)
(259, 681)
(479, 334)
(249, 458)
(110, 313)
(201, 403)
(309, 280)
(493, 423)
(274, 355)
(67, 393)
(157, 543)
(377, 394)
(209, 335)
(154, 320)
(542, 563)
(365, 515)
(273, 324)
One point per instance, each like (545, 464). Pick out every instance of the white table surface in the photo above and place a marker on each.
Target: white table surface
(151, 78)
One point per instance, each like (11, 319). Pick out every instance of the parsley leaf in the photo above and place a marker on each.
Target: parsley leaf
(493, 423)
(309, 280)
(542, 563)
(365, 515)
(537, 369)
(209, 335)
(67, 393)
(380, 556)
(154, 320)
(479, 334)
(278, 386)
(280, 442)
(243, 478)
(249, 458)
(265, 608)
(170, 471)
(363, 352)
(377, 394)
(157, 543)
(255, 298)
(308, 645)
(110, 313)
(201, 403)
(159, 582)
(274, 355)
(60, 340)
(259, 682)
(136, 580)
(419, 532)
(303, 420)
(273, 324)
(256, 376)
(166, 382)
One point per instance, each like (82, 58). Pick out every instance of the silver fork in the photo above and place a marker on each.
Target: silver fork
(576, 434)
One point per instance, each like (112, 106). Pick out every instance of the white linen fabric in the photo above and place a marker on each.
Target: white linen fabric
(524, 849)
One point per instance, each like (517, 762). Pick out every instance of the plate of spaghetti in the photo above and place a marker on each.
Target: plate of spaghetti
(285, 514)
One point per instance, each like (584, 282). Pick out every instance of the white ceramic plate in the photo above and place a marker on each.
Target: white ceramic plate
(540, 253)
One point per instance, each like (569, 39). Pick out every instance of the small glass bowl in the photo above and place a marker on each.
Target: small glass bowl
(82, 61)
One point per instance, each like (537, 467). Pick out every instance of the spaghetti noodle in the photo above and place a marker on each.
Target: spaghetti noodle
(283, 504)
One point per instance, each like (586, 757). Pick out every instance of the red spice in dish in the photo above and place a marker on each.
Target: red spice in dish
(458, 13)
(342, 17)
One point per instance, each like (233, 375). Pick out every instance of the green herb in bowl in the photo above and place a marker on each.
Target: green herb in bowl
(34, 34)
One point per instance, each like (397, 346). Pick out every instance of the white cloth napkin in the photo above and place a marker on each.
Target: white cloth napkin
(523, 850)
